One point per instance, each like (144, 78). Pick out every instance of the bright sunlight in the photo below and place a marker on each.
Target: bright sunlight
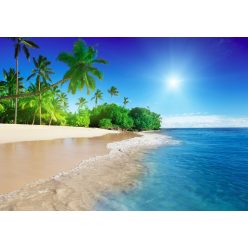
(173, 83)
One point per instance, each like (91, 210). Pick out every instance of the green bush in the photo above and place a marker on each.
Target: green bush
(144, 119)
(119, 116)
(96, 115)
(105, 123)
(115, 117)
(80, 119)
(112, 116)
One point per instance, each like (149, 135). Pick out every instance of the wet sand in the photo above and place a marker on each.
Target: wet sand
(24, 162)
(81, 187)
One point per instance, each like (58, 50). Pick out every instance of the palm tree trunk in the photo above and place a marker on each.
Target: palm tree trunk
(50, 122)
(33, 119)
(39, 100)
(17, 86)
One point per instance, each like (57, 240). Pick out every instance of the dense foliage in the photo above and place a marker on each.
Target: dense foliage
(119, 116)
(144, 119)
(41, 101)
(79, 119)
(114, 116)
(105, 123)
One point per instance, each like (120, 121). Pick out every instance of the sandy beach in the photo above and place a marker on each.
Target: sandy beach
(14, 133)
(116, 167)
(24, 162)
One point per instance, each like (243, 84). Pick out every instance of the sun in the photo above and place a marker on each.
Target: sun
(173, 83)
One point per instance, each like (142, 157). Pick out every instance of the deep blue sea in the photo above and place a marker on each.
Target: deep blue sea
(207, 170)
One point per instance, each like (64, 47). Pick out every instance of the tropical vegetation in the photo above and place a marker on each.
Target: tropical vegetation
(42, 73)
(39, 100)
(21, 44)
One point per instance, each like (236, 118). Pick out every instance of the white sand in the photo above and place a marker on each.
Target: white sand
(15, 133)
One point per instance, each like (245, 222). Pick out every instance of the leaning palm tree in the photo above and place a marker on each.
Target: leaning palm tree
(41, 71)
(21, 44)
(82, 71)
(113, 91)
(97, 96)
(125, 101)
(81, 103)
(81, 67)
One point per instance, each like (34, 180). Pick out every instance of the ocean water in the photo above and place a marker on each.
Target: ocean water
(207, 170)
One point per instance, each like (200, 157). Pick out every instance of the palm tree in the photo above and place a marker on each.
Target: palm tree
(21, 44)
(31, 104)
(57, 102)
(63, 100)
(113, 91)
(125, 101)
(81, 67)
(8, 87)
(41, 71)
(97, 96)
(81, 70)
(81, 103)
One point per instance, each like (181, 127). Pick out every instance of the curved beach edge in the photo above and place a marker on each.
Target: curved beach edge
(49, 192)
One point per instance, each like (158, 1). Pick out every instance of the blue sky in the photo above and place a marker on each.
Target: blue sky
(213, 73)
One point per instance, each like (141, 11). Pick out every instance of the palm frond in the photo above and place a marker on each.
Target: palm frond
(35, 62)
(90, 55)
(92, 82)
(87, 83)
(69, 73)
(100, 61)
(96, 72)
(66, 58)
(30, 43)
(80, 49)
(81, 72)
(26, 52)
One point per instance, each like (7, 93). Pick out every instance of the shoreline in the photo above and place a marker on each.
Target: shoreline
(24, 162)
(80, 187)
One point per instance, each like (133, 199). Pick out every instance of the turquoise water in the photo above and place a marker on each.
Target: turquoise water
(207, 170)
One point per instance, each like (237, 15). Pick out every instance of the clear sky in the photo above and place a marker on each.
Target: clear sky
(189, 81)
